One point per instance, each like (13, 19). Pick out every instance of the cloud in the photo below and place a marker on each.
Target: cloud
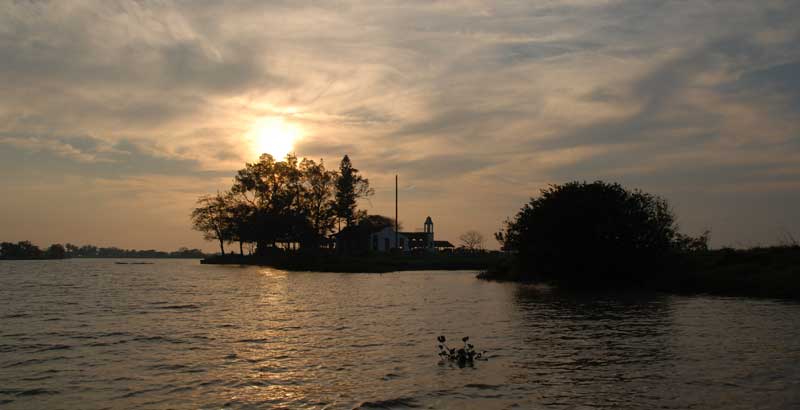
(462, 98)
(59, 148)
(778, 81)
(436, 167)
(90, 156)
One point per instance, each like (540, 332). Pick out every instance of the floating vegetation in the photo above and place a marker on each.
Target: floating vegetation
(463, 356)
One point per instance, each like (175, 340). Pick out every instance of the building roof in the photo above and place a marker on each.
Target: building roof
(442, 244)
(415, 235)
(362, 229)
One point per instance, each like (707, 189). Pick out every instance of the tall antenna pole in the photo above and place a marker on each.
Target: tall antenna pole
(396, 223)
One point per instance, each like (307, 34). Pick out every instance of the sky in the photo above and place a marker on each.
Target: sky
(116, 116)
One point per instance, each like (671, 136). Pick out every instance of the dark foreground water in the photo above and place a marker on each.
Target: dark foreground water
(92, 334)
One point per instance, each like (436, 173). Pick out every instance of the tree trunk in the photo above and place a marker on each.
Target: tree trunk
(221, 247)
(241, 251)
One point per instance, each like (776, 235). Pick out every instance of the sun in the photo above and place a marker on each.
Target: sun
(274, 136)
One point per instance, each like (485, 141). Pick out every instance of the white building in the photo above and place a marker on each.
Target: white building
(385, 239)
(360, 239)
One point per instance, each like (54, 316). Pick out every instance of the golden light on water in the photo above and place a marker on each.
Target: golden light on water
(274, 136)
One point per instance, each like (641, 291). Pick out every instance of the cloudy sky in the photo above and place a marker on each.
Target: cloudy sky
(116, 116)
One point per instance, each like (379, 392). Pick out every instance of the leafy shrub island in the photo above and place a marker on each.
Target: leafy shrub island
(462, 356)
(594, 233)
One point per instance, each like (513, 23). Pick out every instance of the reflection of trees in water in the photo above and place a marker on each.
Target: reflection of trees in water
(592, 348)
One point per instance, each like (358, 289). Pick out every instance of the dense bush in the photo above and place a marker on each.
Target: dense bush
(591, 233)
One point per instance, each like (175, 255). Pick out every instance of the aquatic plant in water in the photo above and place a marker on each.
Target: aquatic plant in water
(462, 356)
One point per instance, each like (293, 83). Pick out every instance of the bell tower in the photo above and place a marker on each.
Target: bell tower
(429, 233)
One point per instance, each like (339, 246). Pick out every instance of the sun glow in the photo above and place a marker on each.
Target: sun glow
(274, 136)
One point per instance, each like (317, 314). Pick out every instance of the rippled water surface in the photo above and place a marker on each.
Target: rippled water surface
(92, 334)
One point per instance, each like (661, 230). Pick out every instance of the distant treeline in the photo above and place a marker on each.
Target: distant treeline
(27, 250)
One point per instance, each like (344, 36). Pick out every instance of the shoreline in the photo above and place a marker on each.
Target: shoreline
(772, 272)
(376, 263)
(101, 257)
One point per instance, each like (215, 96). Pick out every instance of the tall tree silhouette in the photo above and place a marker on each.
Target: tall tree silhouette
(350, 186)
(239, 220)
(318, 199)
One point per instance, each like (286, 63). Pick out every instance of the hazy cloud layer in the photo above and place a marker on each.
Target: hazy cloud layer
(476, 105)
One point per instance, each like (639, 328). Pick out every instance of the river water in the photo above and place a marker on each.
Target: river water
(93, 334)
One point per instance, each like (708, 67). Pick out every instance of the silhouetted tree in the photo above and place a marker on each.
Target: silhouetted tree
(289, 204)
(500, 237)
(29, 250)
(472, 240)
(591, 232)
(9, 250)
(184, 252)
(88, 251)
(26, 250)
(317, 199)
(281, 199)
(350, 186)
(686, 243)
(72, 250)
(239, 224)
(211, 218)
(55, 251)
(260, 186)
(21, 250)
(377, 222)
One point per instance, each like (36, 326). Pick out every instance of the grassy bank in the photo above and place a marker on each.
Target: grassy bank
(374, 263)
(758, 272)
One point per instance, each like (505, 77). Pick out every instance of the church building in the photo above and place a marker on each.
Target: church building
(384, 240)
(363, 239)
